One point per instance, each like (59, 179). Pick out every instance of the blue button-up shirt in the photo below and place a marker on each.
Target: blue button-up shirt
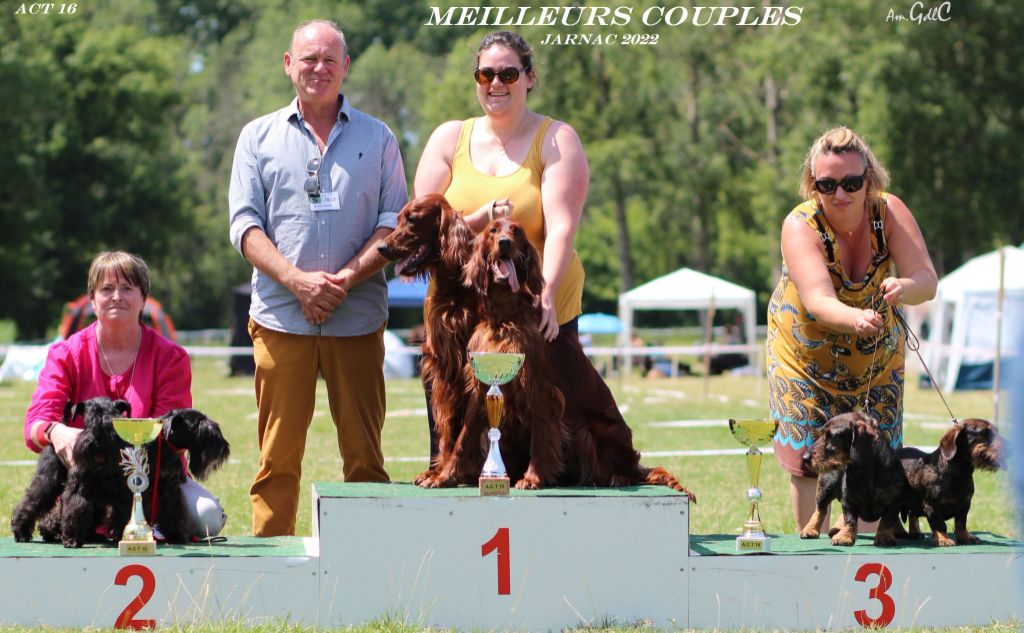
(361, 162)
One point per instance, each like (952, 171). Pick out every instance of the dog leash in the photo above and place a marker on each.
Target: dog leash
(867, 388)
(914, 344)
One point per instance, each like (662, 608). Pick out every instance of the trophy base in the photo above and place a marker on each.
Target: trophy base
(754, 544)
(494, 486)
(136, 548)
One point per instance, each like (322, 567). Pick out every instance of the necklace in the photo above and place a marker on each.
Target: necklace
(501, 142)
(106, 361)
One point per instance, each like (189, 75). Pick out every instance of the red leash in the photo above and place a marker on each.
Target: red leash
(156, 478)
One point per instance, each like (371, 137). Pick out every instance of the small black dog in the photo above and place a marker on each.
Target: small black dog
(70, 504)
(856, 465)
(940, 485)
(95, 453)
(184, 430)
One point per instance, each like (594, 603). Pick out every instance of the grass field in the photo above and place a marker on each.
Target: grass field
(719, 481)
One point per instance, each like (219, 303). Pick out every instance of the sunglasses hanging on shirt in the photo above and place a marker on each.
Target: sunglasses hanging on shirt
(312, 184)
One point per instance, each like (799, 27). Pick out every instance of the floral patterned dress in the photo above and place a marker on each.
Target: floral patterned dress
(816, 373)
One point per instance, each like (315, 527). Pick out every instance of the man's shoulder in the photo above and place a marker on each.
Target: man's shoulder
(269, 121)
(360, 118)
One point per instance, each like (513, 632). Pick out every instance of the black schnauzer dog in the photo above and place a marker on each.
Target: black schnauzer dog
(184, 430)
(940, 485)
(856, 465)
(68, 504)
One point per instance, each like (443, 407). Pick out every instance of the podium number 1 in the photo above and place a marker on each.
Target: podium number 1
(500, 542)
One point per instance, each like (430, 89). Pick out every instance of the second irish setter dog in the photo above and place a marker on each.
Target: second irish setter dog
(431, 237)
(561, 425)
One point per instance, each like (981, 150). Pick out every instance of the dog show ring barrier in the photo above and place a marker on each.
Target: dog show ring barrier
(534, 560)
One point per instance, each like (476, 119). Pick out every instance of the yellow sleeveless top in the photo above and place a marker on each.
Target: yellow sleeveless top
(815, 373)
(471, 188)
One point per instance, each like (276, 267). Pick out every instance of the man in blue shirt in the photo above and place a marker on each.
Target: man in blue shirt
(314, 187)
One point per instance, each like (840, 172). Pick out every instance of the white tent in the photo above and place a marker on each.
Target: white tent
(962, 319)
(688, 289)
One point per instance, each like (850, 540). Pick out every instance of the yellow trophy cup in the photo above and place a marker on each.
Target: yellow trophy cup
(494, 369)
(137, 539)
(752, 433)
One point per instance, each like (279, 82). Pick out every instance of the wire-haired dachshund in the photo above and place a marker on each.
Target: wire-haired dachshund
(856, 465)
(940, 484)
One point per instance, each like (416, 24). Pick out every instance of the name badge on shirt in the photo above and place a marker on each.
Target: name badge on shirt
(326, 201)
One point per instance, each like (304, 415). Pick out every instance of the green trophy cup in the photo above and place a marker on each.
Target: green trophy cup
(494, 369)
(137, 539)
(752, 433)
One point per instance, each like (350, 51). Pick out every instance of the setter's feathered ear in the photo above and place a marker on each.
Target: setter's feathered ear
(476, 274)
(534, 274)
(455, 237)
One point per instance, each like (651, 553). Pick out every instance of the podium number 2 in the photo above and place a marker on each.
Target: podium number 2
(126, 620)
(878, 593)
(500, 542)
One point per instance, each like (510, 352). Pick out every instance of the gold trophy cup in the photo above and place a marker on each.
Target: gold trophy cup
(137, 539)
(752, 433)
(494, 369)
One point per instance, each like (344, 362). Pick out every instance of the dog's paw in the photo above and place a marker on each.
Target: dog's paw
(885, 540)
(528, 483)
(844, 538)
(660, 477)
(22, 536)
(966, 538)
(941, 540)
(810, 532)
(437, 481)
(424, 476)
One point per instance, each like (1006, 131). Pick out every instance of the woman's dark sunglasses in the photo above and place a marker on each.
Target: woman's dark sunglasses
(850, 184)
(312, 184)
(507, 75)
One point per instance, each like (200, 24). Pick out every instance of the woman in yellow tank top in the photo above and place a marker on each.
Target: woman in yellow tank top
(851, 255)
(516, 163)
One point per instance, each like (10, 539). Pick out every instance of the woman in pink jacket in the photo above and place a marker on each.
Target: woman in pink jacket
(119, 358)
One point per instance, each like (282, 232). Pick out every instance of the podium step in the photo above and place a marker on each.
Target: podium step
(534, 560)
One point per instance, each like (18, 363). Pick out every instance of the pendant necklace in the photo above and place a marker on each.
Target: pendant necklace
(110, 372)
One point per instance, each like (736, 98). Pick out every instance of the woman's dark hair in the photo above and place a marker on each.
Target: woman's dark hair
(515, 43)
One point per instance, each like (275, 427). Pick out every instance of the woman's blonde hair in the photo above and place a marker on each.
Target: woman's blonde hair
(843, 140)
(125, 266)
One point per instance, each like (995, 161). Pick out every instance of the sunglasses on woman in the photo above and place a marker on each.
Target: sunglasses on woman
(507, 75)
(850, 184)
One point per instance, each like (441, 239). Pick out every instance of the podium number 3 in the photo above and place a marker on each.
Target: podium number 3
(126, 620)
(878, 593)
(500, 542)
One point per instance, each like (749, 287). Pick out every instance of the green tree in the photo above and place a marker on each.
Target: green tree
(99, 161)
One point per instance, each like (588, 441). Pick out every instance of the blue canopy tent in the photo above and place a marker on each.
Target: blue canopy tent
(599, 323)
(406, 294)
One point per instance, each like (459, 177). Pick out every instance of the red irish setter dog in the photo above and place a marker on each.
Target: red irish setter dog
(561, 425)
(431, 237)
